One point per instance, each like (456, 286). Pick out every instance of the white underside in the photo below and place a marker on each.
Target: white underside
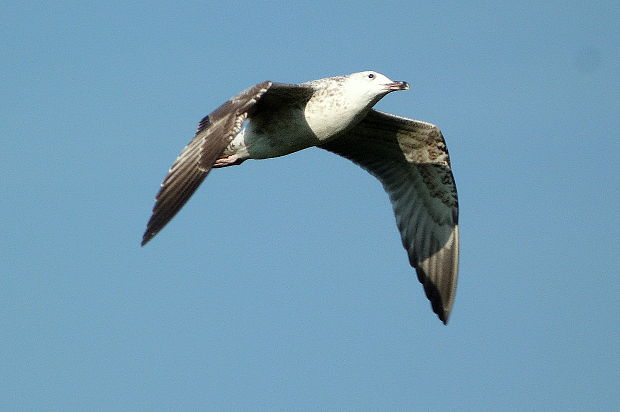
(291, 129)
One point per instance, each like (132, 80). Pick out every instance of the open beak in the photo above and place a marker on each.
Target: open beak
(395, 86)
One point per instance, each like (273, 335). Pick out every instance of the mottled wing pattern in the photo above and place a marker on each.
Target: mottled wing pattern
(214, 133)
(284, 95)
(411, 160)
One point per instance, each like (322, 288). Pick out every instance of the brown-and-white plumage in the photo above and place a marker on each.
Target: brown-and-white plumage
(408, 157)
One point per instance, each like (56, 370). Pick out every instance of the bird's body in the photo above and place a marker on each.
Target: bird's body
(306, 120)
(409, 158)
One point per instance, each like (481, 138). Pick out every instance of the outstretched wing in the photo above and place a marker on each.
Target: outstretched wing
(411, 160)
(214, 133)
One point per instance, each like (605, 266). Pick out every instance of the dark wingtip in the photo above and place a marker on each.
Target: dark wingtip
(440, 311)
(437, 306)
(433, 295)
(146, 237)
(443, 318)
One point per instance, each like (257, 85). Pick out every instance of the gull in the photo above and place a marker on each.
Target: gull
(409, 158)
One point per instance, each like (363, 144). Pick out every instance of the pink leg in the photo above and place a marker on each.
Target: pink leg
(231, 160)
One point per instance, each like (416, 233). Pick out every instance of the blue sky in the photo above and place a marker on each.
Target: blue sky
(282, 285)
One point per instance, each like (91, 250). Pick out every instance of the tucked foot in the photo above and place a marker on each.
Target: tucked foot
(231, 160)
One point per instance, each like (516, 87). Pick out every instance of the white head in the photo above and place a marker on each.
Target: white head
(372, 85)
(342, 101)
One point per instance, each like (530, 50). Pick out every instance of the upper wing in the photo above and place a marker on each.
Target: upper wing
(411, 160)
(214, 133)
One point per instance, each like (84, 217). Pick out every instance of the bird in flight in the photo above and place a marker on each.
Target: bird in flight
(409, 158)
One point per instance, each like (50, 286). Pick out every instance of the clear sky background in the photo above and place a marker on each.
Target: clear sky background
(282, 285)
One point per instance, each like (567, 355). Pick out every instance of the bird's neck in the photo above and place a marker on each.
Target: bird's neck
(332, 115)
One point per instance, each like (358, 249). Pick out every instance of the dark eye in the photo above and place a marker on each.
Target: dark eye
(371, 76)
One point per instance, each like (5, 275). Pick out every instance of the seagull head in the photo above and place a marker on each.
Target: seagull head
(373, 85)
